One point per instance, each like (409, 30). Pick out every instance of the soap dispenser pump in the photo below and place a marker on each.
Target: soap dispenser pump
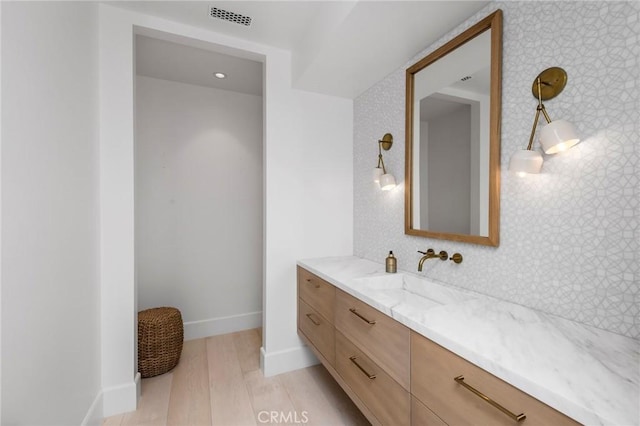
(391, 264)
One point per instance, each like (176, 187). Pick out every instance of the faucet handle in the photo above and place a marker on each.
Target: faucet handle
(443, 255)
(430, 252)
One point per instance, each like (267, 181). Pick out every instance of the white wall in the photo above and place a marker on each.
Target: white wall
(118, 293)
(1, 101)
(309, 211)
(308, 194)
(198, 204)
(448, 178)
(50, 282)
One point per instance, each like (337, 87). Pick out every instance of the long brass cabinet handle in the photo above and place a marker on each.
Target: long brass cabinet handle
(517, 417)
(316, 285)
(366, 373)
(310, 316)
(359, 315)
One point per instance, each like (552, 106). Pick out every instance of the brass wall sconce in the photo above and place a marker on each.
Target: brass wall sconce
(380, 175)
(556, 136)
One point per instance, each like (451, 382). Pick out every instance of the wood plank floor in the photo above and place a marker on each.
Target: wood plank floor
(218, 382)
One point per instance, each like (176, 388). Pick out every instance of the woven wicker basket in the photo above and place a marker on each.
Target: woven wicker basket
(160, 337)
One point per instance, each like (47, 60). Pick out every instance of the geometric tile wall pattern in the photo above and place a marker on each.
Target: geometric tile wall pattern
(569, 236)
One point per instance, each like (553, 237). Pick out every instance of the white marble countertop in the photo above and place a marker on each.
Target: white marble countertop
(589, 374)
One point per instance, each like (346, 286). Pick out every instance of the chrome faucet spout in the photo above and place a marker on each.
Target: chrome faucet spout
(431, 254)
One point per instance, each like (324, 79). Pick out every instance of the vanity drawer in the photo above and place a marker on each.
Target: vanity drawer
(318, 330)
(422, 416)
(386, 399)
(318, 293)
(382, 338)
(433, 370)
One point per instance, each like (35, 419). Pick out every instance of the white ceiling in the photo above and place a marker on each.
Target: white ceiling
(338, 48)
(177, 62)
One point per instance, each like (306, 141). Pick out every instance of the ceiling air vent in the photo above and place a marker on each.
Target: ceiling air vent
(225, 15)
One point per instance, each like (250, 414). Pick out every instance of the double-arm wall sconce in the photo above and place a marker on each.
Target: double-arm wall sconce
(556, 136)
(380, 175)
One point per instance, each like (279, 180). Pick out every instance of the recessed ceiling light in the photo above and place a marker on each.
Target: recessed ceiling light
(220, 75)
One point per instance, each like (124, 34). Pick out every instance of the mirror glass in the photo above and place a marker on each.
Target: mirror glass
(453, 138)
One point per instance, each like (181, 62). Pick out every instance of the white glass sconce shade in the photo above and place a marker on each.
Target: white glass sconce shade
(377, 172)
(525, 162)
(387, 182)
(557, 136)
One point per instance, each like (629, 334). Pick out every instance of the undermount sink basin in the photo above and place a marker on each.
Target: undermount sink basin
(409, 289)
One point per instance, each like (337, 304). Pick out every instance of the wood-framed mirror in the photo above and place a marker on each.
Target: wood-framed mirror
(452, 162)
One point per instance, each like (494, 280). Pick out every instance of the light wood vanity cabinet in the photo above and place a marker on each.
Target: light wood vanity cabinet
(316, 299)
(318, 330)
(398, 377)
(422, 416)
(388, 401)
(433, 369)
(382, 338)
(318, 293)
(356, 350)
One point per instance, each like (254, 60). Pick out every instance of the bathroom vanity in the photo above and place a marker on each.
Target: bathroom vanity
(409, 350)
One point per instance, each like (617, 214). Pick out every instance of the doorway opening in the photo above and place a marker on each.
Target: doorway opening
(198, 184)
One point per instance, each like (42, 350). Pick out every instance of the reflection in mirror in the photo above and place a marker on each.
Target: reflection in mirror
(451, 142)
(453, 109)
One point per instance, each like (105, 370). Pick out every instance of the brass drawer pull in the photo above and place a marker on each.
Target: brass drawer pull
(353, 360)
(517, 417)
(359, 315)
(316, 285)
(310, 316)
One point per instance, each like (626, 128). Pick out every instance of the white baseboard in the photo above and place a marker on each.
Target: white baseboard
(138, 383)
(120, 399)
(94, 416)
(223, 325)
(274, 363)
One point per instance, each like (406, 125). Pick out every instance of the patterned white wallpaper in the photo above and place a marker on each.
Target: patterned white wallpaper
(569, 236)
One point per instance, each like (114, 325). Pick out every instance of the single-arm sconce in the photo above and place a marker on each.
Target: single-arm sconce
(380, 175)
(556, 136)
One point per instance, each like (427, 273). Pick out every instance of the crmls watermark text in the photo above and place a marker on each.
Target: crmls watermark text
(283, 417)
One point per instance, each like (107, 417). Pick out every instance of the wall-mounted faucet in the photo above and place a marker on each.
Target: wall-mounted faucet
(431, 254)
